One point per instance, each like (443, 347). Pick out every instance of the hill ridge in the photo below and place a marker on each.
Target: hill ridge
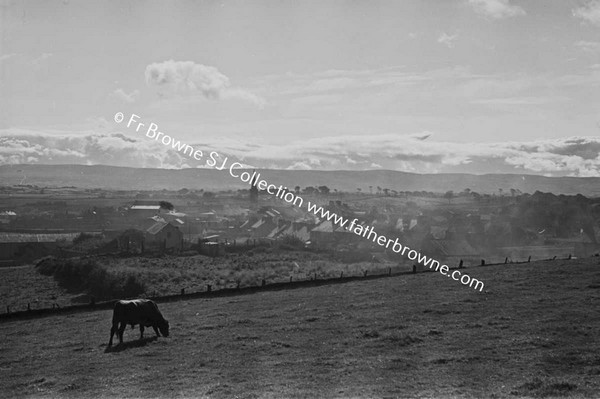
(129, 178)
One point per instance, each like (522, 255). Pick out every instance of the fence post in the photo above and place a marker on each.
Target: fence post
(506, 260)
(529, 259)
(315, 276)
(208, 287)
(569, 258)
(183, 291)
(264, 282)
(7, 309)
(460, 264)
(482, 262)
(414, 269)
(28, 307)
(342, 275)
(389, 271)
(365, 274)
(290, 279)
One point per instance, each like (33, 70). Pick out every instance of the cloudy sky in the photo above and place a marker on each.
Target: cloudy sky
(427, 86)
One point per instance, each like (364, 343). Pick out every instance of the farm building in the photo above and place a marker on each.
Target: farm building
(277, 232)
(131, 240)
(262, 228)
(328, 233)
(164, 235)
(298, 230)
(211, 248)
(30, 246)
(144, 210)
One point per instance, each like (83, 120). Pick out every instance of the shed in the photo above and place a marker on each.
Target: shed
(165, 235)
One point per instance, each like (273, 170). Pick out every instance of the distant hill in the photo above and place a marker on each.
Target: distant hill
(121, 178)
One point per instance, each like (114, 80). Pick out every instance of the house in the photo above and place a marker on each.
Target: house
(262, 228)
(297, 229)
(211, 248)
(164, 235)
(130, 240)
(279, 230)
(329, 234)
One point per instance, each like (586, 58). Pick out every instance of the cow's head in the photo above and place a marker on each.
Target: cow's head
(164, 328)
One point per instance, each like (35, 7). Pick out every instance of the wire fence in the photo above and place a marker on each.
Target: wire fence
(26, 311)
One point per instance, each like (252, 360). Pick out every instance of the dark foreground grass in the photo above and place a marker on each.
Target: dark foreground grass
(534, 332)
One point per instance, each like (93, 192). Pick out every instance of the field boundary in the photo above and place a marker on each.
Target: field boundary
(237, 291)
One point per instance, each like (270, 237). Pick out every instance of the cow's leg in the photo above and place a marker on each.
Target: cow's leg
(156, 331)
(121, 330)
(113, 330)
(141, 331)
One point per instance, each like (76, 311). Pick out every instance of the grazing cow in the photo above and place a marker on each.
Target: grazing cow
(137, 311)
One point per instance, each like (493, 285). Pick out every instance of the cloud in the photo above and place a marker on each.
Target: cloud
(588, 47)
(87, 149)
(447, 39)
(186, 78)
(5, 57)
(520, 101)
(574, 156)
(127, 98)
(589, 12)
(39, 61)
(496, 9)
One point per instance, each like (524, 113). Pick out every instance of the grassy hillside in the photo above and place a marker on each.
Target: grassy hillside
(532, 333)
(167, 275)
(121, 178)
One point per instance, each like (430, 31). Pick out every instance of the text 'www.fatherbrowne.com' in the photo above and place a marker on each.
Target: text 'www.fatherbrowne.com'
(215, 160)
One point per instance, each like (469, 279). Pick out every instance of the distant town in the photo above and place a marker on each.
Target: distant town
(452, 226)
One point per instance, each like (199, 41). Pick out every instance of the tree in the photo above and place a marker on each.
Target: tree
(297, 190)
(309, 190)
(449, 195)
(166, 205)
(324, 190)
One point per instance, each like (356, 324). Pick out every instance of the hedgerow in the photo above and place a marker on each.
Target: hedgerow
(86, 275)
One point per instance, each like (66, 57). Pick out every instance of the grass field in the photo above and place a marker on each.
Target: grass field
(534, 332)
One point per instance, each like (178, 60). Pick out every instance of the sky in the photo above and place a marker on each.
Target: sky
(427, 86)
